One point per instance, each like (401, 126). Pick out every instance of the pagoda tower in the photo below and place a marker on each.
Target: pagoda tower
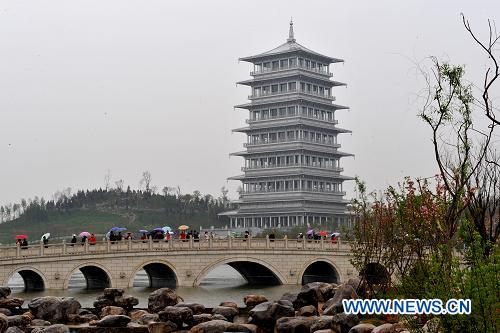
(292, 174)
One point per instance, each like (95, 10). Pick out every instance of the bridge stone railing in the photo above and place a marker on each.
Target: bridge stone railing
(68, 249)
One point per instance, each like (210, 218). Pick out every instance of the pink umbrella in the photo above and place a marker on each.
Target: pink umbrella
(84, 233)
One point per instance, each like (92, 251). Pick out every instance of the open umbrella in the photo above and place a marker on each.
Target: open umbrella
(323, 233)
(310, 231)
(142, 231)
(158, 229)
(21, 236)
(84, 233)
(336, 234)
(167, 229)
(45, 235)
(118, 229)
(183, 227)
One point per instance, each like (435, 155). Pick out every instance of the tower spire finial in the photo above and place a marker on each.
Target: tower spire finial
(291, 38)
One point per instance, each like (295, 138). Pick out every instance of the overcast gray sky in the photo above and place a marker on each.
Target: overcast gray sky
(87, 86)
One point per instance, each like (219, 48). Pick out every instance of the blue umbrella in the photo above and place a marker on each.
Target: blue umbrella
(167, 229)
(142, 231)
(118, 229)
(158, 229)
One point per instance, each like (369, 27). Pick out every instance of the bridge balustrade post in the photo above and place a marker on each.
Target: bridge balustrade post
(64, 246)
(210, 243)
(171, 243)
(108, 245)
(338, 244)
(304, 241)
(18, 250)
(286, 242)
(249, 241)
(230, 241)
(190, 242)
(41, 249)
(129, 243)
(86, 245)
(267, 241)
(150, 243)
(322, 243)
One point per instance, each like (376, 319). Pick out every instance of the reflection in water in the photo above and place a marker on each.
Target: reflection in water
(222, 284)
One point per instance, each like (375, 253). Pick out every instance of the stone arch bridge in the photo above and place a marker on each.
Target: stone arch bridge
(176, 263)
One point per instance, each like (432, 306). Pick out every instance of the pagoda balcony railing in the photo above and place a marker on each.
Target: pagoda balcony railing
(283, 166)
(282, 190)
(283, 69)
(251, 121)
(269, 142)
(280, 93)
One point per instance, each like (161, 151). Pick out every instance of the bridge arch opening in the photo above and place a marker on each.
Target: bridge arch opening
(320, 271)
(26, 280)
(89, 277)
(240, 271)
(155, 275)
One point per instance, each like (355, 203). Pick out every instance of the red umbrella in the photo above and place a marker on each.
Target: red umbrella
(323, 233)
(21, 236)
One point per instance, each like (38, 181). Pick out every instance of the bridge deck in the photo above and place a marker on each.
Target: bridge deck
(66, 249)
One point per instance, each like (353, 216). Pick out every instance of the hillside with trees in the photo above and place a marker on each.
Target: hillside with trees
(100, 209)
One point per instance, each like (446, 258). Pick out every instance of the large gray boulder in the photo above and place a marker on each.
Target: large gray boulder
(226, 311)
(321, 323)
(314, 292)
(57, 328)
(19, 320)
(197, 308)
(113, 321)
(252, 300)
(384, 328)
(213, 326)
(14, 329)
(161, 298)
(162, 327)
(294, 324)
(177, 314)
(265, 315)
(334, 304)
(54, 309)
(342, 323)
(362, 328)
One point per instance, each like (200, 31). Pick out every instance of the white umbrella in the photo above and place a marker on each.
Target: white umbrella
(46, 236)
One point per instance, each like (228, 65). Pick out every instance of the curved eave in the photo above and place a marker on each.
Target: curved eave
(289, 47)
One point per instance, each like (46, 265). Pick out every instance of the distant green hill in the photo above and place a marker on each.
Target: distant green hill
(99, 210)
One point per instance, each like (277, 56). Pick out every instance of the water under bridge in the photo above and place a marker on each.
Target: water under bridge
(176, 263)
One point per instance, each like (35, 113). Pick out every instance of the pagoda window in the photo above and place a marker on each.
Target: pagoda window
(327, 92)
(281, 136)
(291, 110)
(257, 68)
(266, 66)
(297, 159)
(323, 115)
(282, 112)
(256, 91)
(296, 184)
(302, 86)
(321, 90)
(284, 63)
(274, 88)
(308, 87)
(320, 67)
(292, 86)
(310, 112)
(272, 137)
(265, 114)
(308, 63)
(315, 89)
(283, 87)
(275, 65)
(308, 159)
(313, 65)
(328, 187)
(292, 62)
(329, 115)
(265, 90)
(274, 113)
(304, 111)
(316, 113)
(301, 62)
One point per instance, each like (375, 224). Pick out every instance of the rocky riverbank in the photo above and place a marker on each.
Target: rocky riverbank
(316, 308)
